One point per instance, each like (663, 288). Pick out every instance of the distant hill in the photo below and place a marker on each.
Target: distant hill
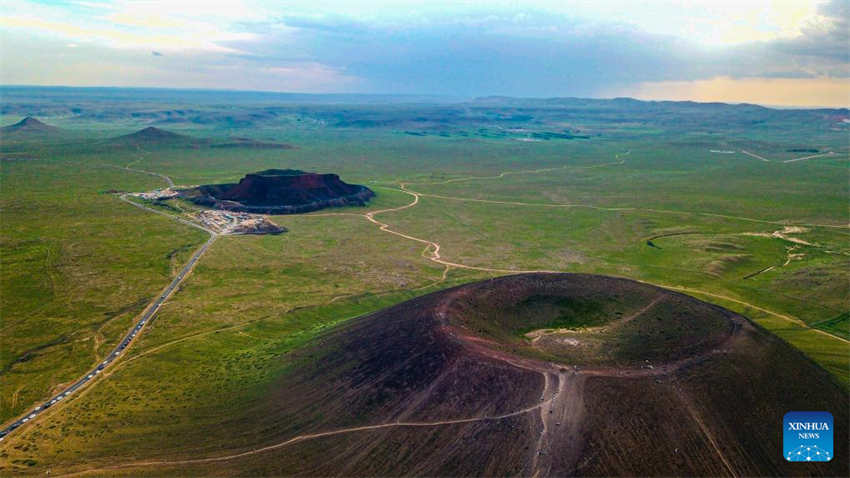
(28, 126)
(152, 136)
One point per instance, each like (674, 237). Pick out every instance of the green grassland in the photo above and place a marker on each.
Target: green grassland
(78, 264)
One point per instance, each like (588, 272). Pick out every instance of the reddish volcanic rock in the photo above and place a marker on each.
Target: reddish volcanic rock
(281, 191)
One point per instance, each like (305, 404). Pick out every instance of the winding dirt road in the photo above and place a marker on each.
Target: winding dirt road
(433, 248)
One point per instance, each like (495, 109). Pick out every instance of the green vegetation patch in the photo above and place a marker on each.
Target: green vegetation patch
(562, 312)
(838, 325)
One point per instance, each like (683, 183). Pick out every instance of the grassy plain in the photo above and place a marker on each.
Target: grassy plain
(78, 264)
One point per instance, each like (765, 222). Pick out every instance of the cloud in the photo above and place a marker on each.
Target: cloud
(542, 48)
(531, 53)
(469, 55)
(124, 25)
(94, 65)
(827, 38)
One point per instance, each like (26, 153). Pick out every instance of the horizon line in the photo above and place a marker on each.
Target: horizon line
(457, 98)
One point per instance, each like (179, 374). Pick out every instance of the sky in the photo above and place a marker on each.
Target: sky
(774, 52)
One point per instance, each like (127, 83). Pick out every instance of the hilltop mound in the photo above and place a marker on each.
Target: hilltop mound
(151, 136)
(280, 191)
(29, 125)
(514, 376)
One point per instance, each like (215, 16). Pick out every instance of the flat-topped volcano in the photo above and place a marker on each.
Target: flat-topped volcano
(280, 191)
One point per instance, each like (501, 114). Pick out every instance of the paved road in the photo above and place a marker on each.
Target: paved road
(128, 339)
(124, 198)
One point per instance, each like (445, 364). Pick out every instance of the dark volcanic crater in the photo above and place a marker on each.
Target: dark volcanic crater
(536, 375)
(280, 191)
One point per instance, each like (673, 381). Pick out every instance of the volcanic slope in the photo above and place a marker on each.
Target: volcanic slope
(29, 126)
(280, 191)
(506, 377)
(151, 136)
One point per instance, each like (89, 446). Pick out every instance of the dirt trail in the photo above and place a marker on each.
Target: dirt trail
(435, 256)
(535, 335)
(760, 309)
(527, 171)
(705, 430)
(830, 153)
(755, 155)
(789, 256)
(616, 209)
(561, 427)
(432, 247)
(802, 158)
(165, 178)
(545, 411)
(311, 436)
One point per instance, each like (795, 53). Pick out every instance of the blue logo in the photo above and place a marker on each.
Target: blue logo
(807, 436)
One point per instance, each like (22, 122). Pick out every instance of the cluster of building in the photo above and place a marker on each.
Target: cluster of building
(157, 194)
(231, 222)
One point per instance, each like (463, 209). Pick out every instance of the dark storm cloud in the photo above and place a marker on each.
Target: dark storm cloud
(830, 41)
(468, 55)
(533, 53)
(587, 49)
